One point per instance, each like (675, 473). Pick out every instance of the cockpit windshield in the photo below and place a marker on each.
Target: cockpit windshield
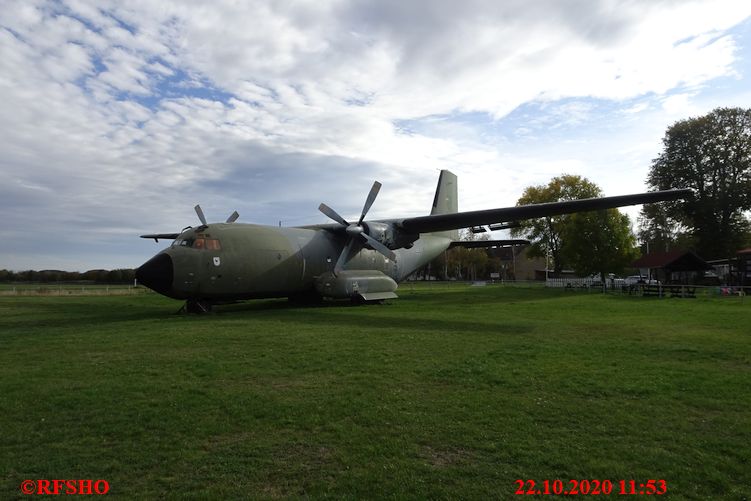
(198, 243)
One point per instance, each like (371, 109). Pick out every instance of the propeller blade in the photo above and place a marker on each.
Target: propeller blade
(233, 217)
(349, 250)
(200, 215)
(333, 214)
(369, 201)
(353, 230)
(379, 246)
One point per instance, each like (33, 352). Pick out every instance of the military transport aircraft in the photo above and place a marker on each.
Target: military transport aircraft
(362, 261)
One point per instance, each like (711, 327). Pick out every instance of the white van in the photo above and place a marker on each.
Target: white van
(636, 279)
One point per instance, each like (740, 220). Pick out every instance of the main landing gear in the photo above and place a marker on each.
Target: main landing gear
(305, 299)
(196, 306)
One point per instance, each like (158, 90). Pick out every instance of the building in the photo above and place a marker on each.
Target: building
(516, 264)
(742, 268)
(673, 267)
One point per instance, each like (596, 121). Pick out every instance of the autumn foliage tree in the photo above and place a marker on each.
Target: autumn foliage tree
(599, 242)
(589, 242)
(546, 233)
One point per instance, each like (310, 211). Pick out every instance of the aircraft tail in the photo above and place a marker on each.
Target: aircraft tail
(446, 201)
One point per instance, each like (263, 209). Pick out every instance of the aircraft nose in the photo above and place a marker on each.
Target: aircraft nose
(156, 273)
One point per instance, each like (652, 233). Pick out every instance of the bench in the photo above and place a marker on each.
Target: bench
(682, 291)
(664, 290)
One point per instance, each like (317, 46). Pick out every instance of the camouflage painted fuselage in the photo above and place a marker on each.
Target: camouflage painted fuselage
(254, 261)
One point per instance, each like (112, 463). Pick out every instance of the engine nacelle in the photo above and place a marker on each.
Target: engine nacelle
(369, 285)
(390, 236)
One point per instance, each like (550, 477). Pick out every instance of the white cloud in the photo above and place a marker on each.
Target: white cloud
(679, 105)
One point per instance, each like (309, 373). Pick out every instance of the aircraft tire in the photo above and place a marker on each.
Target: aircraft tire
(197, 306)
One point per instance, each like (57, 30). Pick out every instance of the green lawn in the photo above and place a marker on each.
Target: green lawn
(444, 393)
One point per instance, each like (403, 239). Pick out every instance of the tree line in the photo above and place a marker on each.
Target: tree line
(464, 264)
(118, 276)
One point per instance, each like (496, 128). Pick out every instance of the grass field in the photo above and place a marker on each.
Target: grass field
(444, 393)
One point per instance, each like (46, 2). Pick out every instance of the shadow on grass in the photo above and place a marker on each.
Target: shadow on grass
(29, 313)
(370, 318)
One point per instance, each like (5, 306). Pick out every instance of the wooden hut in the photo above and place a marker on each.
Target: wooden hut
(673, 267)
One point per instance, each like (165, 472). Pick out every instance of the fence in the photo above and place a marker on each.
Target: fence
(579, 283)
(69, 290)
(592, 285)
(653, 289)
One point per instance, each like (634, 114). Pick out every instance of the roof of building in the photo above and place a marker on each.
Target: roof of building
(675, 260)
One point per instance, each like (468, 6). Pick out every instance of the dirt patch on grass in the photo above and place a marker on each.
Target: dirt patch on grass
(217, 442)
(442, 457)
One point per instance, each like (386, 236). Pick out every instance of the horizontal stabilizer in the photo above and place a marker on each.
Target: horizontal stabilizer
(475, 244)
(504, 226)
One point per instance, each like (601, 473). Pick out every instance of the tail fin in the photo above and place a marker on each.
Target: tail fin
(446, 201)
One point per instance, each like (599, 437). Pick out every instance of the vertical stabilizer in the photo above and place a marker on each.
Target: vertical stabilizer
(446, 200)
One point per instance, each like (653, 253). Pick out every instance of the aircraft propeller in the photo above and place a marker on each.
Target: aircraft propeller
(200, 215)
(231, 219)
(358, 235)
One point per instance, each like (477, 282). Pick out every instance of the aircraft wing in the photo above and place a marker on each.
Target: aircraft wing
(163, 236)
(474, 244)
(443, 222)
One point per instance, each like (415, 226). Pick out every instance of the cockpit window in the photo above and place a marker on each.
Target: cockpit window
(182, 242)
(198, 243)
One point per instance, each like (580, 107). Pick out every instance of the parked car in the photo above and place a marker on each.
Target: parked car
(638, 279)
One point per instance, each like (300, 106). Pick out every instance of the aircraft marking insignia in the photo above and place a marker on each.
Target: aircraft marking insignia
(217, 261)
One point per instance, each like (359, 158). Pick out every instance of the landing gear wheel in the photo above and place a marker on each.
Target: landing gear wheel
(305, 299)
(196, 306)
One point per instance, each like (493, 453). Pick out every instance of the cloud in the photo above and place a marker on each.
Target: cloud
(118, 117)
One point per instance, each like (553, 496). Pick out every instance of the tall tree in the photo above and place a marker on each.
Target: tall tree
(599, 242)
(546, 233)
(658, 231)
(712, 155)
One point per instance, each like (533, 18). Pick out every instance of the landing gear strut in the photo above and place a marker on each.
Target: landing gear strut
(195, 306)
(305, 299)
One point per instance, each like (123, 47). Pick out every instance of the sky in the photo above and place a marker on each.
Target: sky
(118, 117)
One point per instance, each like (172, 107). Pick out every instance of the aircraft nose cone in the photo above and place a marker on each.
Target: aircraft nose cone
(156, 274)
